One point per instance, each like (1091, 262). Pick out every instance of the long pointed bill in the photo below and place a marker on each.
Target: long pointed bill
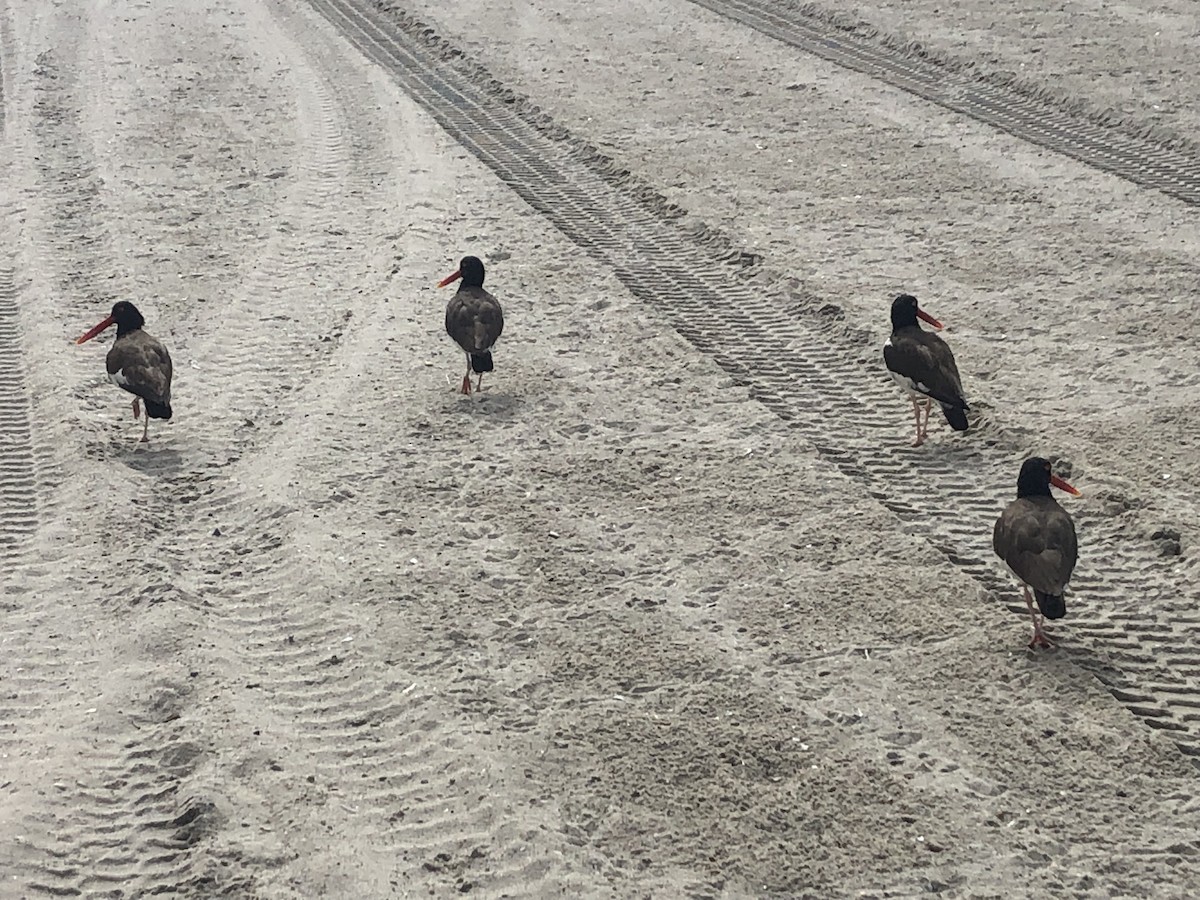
(95, 331)
(450, 278)
(926, 317)
(1064, 486)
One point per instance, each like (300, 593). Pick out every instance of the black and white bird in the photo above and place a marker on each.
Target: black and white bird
(921, 363)
(137, 363)
(1036, 539)
(473, 319)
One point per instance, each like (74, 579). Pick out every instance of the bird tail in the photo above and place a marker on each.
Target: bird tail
(956, 415)
(157, 410)
(481, 362)
(1053, 606)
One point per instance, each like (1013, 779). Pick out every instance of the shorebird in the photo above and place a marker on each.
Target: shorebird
(921, 363)
(473, 318)
(138, 363)
(1036, 539)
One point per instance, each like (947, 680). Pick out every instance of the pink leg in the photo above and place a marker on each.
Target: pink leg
(919, 439)
(137, 408)
(1039, 638)
(466, 385)
(925, 421)
(146, 430)
(479, 382)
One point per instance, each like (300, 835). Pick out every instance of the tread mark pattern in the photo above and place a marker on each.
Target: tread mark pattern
(18, 487)
(18, 474)
(137, 819)
(1145, 155)
(774, 341)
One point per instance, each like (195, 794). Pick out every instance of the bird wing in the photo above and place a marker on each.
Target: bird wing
(1036, 539)
(474, 319)
(141, 365)
(927, 362)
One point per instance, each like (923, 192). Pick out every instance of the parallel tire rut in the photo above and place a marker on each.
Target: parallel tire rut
(141, 819)
(797, 363)
(362, 728)
(18, 496)
(1142, 154)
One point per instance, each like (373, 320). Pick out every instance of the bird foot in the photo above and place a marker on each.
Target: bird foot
(1039, 639)
(466, 385)
(918, 441)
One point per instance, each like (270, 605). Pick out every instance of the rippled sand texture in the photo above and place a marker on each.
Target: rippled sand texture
(670, 609)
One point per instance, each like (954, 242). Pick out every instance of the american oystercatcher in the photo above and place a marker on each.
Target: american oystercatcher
(921, 363)
(473, 318)
(138, 363)
(1036, 539)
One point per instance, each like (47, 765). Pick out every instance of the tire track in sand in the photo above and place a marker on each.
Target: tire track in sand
(1142, 153)
(772, 335)
(397, 768)
(18, 475)
(147, 812)
(65, 175)
(18, 487)
(121, 816)
(243, 325)
(143, 813)
(102, 788)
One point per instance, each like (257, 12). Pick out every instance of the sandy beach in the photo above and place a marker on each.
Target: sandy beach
(671, 608)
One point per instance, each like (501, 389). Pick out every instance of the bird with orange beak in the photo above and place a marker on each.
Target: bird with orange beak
(922, 363)
(1036, 539)
(473, 319)
(137, 363)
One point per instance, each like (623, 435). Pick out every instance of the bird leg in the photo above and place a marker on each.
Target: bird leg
(146, 430)
(466, 385)
(1039, 638)
(925, 421)
(137, 408)
(917, 419)
(479, 382)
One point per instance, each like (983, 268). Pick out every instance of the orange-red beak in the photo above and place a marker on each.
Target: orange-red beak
(926, 317)
(95, 331)
(450, 278)
(1064, 486)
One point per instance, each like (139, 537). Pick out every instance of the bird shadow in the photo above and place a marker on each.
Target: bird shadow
(148, 459)
(493, 406)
